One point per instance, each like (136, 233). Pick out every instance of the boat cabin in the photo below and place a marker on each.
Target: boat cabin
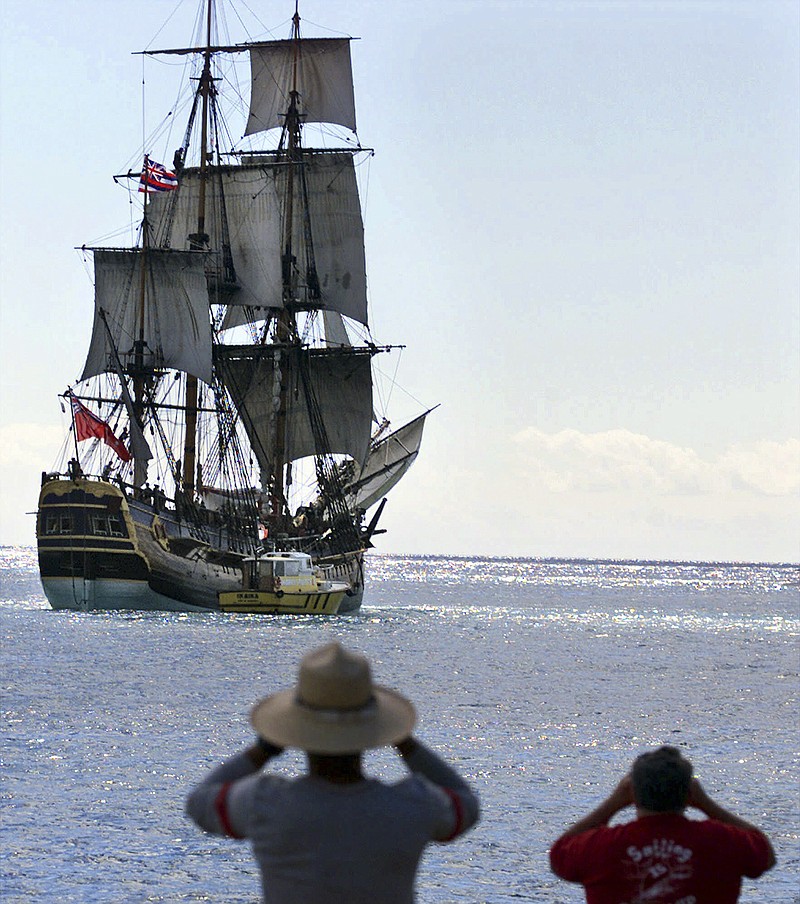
(289, 571)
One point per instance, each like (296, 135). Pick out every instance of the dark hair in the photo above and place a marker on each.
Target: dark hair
(661, 780)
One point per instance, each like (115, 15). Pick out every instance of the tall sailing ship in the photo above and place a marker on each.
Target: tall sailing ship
(224, 452)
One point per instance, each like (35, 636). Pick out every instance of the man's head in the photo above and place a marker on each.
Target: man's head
(335, 707)
(661, 780)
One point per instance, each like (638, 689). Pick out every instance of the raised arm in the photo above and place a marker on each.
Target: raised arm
(620, 797)
(207, 803)
(464, 803)
(699, 799)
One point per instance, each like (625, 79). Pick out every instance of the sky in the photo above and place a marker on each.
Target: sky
(582, 223)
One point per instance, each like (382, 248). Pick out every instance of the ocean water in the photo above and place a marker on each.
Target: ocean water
(540, 679)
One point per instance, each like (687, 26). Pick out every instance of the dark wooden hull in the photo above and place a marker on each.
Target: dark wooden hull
(101, 549)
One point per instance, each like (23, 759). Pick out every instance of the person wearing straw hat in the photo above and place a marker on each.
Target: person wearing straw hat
(334, 835)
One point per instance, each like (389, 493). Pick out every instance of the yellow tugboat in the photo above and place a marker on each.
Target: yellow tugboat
(284, 582)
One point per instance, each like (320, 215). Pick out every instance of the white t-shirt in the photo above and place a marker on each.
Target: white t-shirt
(322, 843)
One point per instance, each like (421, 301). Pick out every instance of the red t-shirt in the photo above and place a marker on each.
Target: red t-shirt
(661, 859)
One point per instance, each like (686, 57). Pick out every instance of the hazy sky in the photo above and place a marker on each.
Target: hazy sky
(582, 221)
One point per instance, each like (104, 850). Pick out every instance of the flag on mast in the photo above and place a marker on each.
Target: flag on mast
(88, 425)
(156, 177)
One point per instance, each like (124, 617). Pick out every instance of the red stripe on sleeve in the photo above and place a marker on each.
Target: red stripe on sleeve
(459, 813)
(221, 808)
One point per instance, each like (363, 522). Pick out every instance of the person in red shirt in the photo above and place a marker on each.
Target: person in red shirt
(661, 857)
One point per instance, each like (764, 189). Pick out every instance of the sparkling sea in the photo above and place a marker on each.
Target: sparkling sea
(539, 679)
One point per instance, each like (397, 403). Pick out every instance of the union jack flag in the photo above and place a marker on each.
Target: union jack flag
(156, 177)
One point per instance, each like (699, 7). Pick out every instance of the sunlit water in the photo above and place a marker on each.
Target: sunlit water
(540, 679)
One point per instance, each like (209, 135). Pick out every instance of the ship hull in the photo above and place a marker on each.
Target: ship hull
(101, 549)
(80, 595)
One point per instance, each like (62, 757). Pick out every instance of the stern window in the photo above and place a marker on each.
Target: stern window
(105, 525)
(58, 523)
(99, 524)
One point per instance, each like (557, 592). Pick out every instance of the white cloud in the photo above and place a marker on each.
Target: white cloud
(766, 467)
(617, 460)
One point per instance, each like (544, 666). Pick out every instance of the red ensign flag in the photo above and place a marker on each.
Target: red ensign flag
(88, 425)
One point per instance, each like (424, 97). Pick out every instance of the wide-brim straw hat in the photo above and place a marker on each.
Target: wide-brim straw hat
(335, 707)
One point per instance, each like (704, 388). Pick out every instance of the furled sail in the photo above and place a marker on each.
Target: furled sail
(245, 203)
(327, 393)
(388, 461)
(324, 82)
(170, 313)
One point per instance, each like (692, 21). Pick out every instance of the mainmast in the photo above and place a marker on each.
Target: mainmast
(140, 465)
(286, 326)
(295, 399)
(198, 242)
